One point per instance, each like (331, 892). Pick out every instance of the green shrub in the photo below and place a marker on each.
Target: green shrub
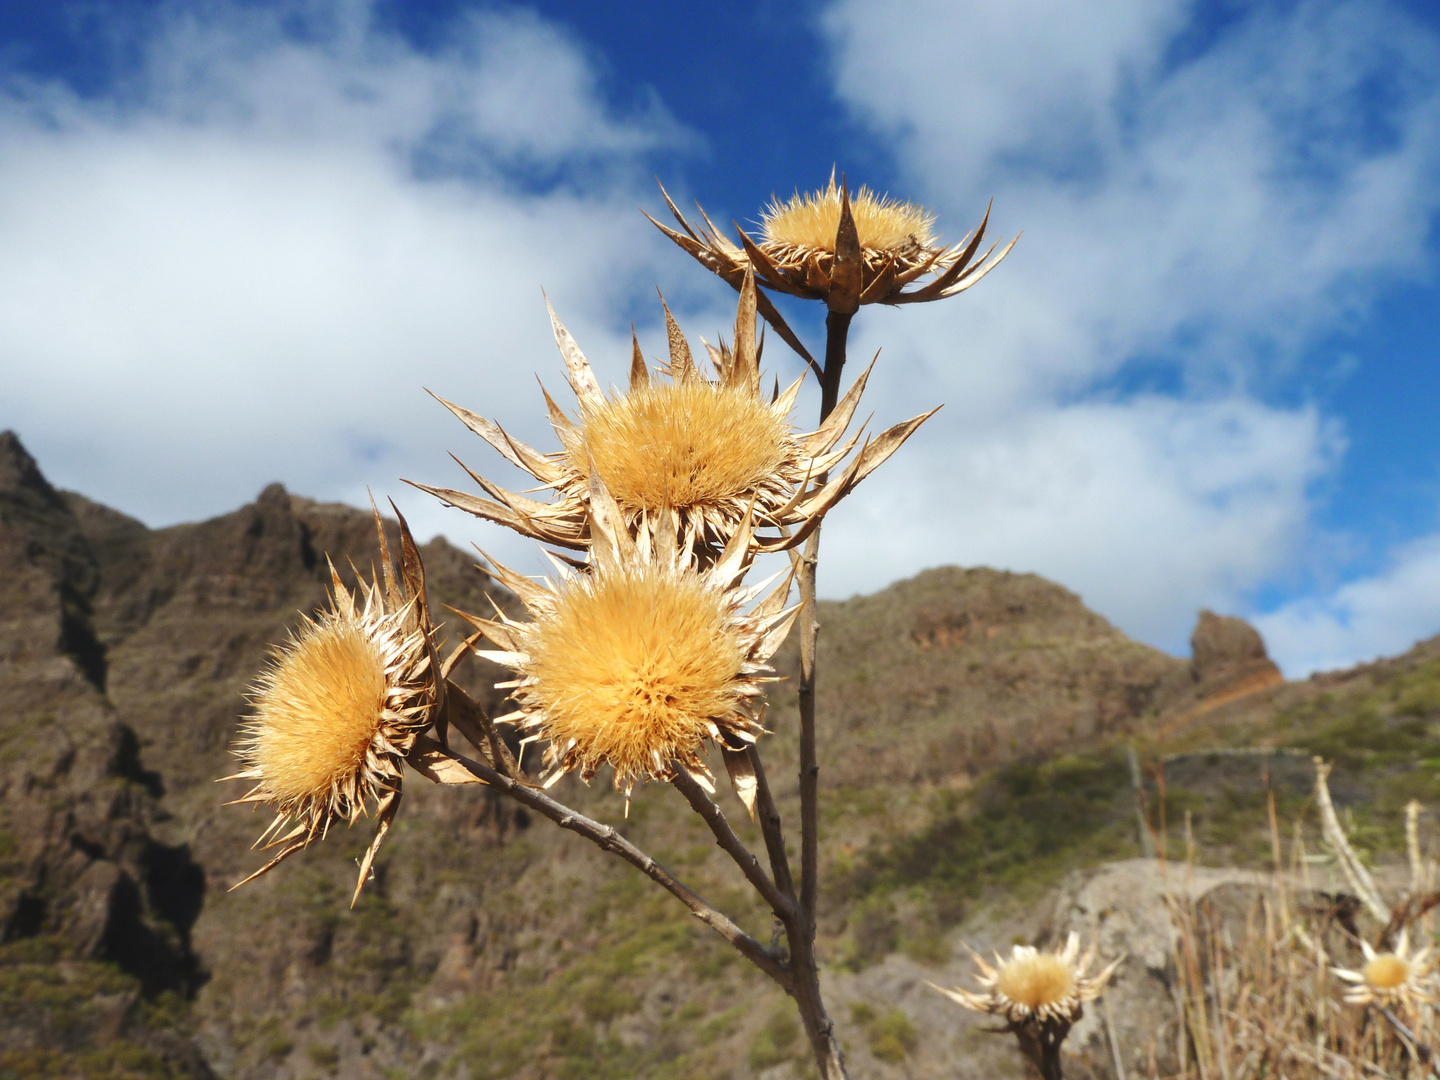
(776, 1041)
(603, 1001)
(892, 1037)
(327, 1057)
(1025, 824)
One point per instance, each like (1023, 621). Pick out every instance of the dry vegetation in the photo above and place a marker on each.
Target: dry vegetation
(1303, 982)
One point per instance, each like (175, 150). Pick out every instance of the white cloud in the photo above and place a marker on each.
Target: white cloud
(1149, 510)
(1198, 207)
(246, 263)
(1373, 616)
(1193, 210)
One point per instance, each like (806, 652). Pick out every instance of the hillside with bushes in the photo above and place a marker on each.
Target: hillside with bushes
(988, 743)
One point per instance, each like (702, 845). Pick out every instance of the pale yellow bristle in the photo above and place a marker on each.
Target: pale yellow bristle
(882, 223)
(317, 713)
(633, 666)
(1036, 981)
(690, 444)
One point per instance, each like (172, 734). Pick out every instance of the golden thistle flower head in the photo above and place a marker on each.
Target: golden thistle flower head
(680, 448)
(1392, 978)
(805, 226)
(846, 251)
(336, 711)
(639, 660)
(1034, 985)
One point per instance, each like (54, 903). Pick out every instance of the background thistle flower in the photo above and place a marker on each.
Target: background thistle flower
(1035, 984)
(640, 660)
(338, 709)
(1039, 995)
(1392, 978)
(682, 449)
(848, 252)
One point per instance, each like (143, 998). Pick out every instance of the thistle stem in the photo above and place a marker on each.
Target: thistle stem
(837, 331)
(771, 826)
(804, 986)
(803, 965)
(809, 764)
(1040, 1042)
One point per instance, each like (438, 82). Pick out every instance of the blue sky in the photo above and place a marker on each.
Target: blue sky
(237, 238)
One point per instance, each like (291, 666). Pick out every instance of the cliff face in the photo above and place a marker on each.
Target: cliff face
(86, 875)
(485, 945)
(124, 653)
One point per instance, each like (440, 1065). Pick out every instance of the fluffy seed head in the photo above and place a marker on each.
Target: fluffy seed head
(634, 666)
(1387, 973)
(335, 713)
(882, 223)
(641, 658)
(319, 710)
(1037, 981)
(682, 446)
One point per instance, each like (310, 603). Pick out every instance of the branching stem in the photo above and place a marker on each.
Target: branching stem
(771, 827)
(803, 964)
(783, 906)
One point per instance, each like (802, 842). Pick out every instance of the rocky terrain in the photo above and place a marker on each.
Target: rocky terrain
(974, 729)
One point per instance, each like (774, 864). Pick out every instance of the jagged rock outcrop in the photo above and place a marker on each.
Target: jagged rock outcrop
(1227, 652)
(50, 582)
(123, 655)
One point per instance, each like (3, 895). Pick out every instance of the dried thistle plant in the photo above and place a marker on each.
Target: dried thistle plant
(847, 252)
(652, 648)
(1038, 994)
(638, 662)
(813, 247)
(1392, 978)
